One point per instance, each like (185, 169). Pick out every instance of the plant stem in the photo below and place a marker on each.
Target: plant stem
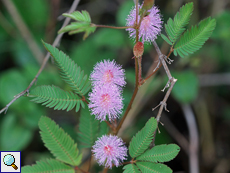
(136, 83)
(144, 80)
(113, 27)
(172, 83)
(132, 99)
(105, 170)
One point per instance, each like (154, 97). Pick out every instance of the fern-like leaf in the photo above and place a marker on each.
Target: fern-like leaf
(160, 153)
(60, 144)
(48, 166)
(83, 24)
(141, 141)
(148, 167)
(193, 39)
(82, 16)
(130, 168)
(174, 28)
(70, 72)
(88, 128)
(54, 97)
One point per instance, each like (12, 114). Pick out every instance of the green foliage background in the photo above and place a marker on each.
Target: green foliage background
(19, 127)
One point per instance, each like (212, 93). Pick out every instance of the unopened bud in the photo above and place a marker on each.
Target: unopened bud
(138, 49)
(148, 4)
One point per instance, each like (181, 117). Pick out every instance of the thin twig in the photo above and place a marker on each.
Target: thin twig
(113, 27)
(55, 43)
(193, 138)
(25, 32)
(157, 68)
(132, 99)
(172, 82)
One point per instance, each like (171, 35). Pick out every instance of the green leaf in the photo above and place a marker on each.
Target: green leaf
(160, 153)
(103, 129)
(193, 39)
(148, 167)
(58, 142)
(141, 141)
(131, 168)
(48, 166)
(166, 39)
(88, 128)
(174, 28)
(186, 87)
(54, 97)
(70, 72)
(83, 24)
(14, 135)
(82, 16)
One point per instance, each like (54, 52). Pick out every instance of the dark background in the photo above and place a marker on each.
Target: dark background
(201, 93)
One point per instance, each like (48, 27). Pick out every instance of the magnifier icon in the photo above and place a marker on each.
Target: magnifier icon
(9, 160)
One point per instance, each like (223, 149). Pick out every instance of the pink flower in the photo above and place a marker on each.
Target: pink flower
(109, 150)
(108, 72)
(106, 100)
(150, 26)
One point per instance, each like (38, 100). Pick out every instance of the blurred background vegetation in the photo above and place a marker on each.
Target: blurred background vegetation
(202, 87)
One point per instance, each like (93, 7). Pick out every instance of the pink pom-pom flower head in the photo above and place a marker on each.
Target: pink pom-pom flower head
(106, 100)
(108, 72)
(109, 150)
(150, 26)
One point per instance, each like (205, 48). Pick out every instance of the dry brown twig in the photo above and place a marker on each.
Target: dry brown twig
(171, 82)
(55, 43)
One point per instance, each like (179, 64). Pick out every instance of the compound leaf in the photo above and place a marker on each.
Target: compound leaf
(54, 97)
(148, 167)
(141, 141)
(83, 24)
(193, 39)
(70, 72)
(48, 166)
(82, 16)
(60, 144)
(160, 153)
(174, 28)
(88, 128)
(130, 168)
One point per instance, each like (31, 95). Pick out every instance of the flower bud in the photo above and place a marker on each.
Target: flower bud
(138, 49)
